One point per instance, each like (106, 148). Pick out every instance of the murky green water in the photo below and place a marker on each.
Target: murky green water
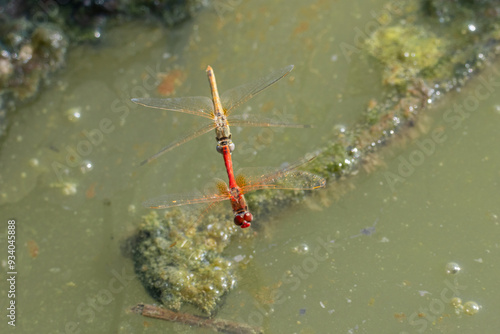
(371, 262)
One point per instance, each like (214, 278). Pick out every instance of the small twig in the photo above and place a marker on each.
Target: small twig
(218, 325)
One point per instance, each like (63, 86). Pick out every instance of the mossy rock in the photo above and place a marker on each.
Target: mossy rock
(405, 51)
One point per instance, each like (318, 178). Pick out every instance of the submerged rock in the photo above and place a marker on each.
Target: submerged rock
(180, 262)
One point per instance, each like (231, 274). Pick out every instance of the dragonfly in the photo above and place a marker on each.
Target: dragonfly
(289, 178)
(218, 109)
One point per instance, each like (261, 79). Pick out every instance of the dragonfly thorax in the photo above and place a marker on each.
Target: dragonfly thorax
(222, 132)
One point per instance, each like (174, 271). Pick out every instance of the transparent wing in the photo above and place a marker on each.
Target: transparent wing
(238, 95)
(291, 180)
(168, 201)
(263, 122)
(250, 179)
(217, 193)
(195, 105)
(206, 128)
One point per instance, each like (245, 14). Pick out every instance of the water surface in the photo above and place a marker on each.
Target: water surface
(372, 261)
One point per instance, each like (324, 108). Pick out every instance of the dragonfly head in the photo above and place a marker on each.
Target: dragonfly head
(220, 147)
(243, 219)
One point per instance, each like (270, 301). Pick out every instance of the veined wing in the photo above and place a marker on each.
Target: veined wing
(204, 129)
(169, 201)
(195, 105)
(238, 95)
(250, 179)
(214, 192)
(263, 122)
(291, 180)
(270, 171)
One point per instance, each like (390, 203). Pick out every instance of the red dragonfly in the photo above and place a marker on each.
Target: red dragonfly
(286, 178)
(218, 109)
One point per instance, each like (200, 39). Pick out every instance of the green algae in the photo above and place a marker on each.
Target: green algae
(180, 264)
(420, 63)
(405, 51)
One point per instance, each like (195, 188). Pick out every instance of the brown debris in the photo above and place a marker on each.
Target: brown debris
(218, 325)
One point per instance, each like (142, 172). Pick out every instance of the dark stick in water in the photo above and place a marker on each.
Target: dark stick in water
(219, 325)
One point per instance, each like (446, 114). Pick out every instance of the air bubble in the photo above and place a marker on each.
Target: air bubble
(74, 114)
(86, 166)
(471, 308)
(301, 249)
(452, 268)
(34, 162)
(456, 302)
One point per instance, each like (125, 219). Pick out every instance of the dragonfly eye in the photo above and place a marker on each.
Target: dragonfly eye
(231, 147)
(243, 219)
(219, 149)
(239, 220)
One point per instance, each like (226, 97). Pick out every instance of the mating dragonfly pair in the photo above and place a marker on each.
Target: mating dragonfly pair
(218, 110)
